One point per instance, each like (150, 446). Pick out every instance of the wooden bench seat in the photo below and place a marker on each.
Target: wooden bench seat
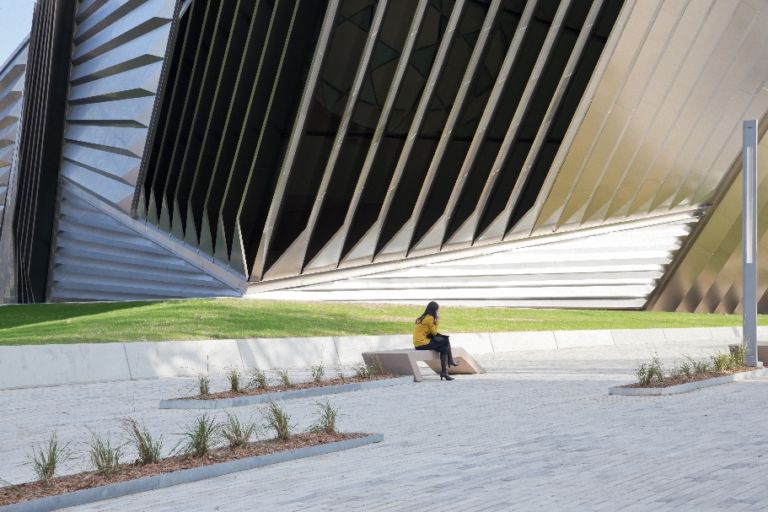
(404, 361)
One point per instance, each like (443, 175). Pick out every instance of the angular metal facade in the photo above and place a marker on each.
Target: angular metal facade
(502, 152)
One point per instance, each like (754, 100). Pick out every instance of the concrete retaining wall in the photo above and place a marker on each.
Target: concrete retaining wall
(49, 365)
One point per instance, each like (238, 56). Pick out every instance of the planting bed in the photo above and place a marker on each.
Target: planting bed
(299, 390)
(681, 384)
(87, 487)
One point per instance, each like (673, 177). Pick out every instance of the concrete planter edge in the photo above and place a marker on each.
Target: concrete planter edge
(117, 490)
(688, 386)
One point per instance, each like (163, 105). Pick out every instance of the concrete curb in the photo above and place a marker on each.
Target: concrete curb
(688, 386)
(108, 492)
(51, 365)
(223, 403)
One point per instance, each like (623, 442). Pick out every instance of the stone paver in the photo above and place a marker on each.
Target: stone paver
(538, 432)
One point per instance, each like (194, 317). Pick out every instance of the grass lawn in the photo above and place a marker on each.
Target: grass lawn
(232, 318)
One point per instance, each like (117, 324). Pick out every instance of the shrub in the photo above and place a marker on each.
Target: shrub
(285, 379)
(234, 380)
(375, 368)
(236, 433)
(686, 368)
(318, 372)
(45, 459)
(362, 371)
(722, 362)
(200, 437)
(203, 384)
(148, 448)
(700, 365)
(278, 420)
(257, 379)
(650, 373)
(104, 457)
(737, 355)
(326, 421)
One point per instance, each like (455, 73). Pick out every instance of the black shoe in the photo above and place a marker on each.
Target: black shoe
(446, 376)
(452, 363)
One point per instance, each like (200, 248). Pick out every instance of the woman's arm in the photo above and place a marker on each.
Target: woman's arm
(432, 325)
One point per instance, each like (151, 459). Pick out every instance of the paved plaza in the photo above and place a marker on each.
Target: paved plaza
(537, 432)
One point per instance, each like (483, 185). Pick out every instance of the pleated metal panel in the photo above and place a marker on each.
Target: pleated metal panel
(40, 142)
(613, 267)
(99, 257)
(12, 74)
(303, 137)
(117, 61)
(708, 274)
(664, 125)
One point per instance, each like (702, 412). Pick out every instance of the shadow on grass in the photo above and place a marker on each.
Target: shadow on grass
(31, 314)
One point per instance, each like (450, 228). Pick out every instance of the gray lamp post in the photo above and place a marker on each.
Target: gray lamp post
(749, 241)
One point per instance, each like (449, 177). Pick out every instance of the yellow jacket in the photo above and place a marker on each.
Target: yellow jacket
(427, 327)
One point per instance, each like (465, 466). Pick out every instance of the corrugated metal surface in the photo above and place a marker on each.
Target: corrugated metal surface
(12, 75)
(98, 257)
(610, 268)
(116, 67)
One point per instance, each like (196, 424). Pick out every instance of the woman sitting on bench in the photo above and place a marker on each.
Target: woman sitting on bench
(426, 337)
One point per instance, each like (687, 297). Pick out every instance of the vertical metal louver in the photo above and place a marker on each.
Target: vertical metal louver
(298, 137)
(40, 145)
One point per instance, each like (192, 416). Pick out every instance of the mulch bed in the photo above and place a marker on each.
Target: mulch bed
(60, 485)
(682, 379)
(276, 389)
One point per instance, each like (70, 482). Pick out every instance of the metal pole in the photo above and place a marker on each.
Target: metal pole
(749, 241)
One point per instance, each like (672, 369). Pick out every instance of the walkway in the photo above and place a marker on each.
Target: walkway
(538, 432)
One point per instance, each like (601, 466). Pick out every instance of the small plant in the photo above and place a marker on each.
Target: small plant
(45, 459)
(326, 421)
(278, 420)
(737, 355)
(318, 372)
(203, 384)
(340, 374)
(362, 371)
(234, 380)
(235, 432)
(722, 362)
(200, 437)
(700, 365)
(375, 368)
(686, 368)
(257, 379)
(650, 373)
(285, 379)
(104, 457)
(148, 448)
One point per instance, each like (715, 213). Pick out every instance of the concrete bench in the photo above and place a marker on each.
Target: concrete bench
(404, 361)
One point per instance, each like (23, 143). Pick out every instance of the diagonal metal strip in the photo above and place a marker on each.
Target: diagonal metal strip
(254, 45)
(517, 118)
(298, 249)
(413, 131)
(169, 189)
(336, 246)
(639, 22)
(554, 104)
(190, 175)
(238, 184)
(580, 114)
(293, 143)
(453, 117)
(440, 227)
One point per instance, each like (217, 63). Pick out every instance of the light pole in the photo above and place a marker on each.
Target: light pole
(749, 241)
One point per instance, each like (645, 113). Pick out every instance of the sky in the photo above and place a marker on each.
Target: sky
(15, 22)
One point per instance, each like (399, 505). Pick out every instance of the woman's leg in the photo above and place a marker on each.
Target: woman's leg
(440, 345)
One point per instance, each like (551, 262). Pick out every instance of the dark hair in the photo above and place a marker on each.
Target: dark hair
(432, 308)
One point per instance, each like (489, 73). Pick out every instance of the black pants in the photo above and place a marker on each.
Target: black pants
(442, 344)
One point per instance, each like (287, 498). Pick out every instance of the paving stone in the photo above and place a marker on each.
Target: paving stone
(537, 432)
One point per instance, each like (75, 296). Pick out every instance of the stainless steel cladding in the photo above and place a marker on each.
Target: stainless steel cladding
(506, 152)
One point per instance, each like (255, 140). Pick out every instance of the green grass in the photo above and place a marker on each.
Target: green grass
(232, 318)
